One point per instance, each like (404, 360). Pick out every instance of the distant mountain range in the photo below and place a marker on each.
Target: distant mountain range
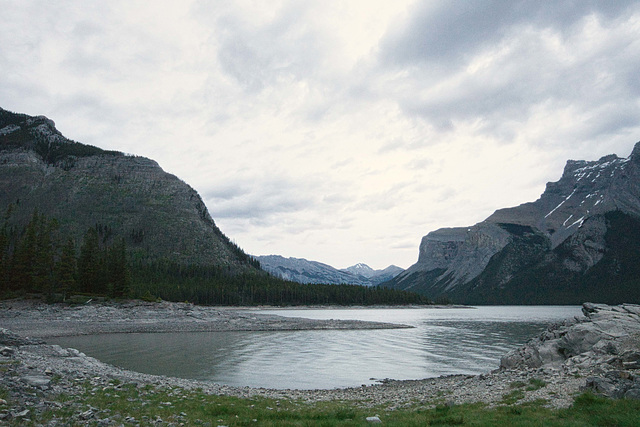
(580, 241)
(305, 271)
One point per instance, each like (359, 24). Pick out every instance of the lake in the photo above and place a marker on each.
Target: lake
(443, 341)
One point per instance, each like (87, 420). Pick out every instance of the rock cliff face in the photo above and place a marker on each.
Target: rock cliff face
(552, 250)
(82, 186)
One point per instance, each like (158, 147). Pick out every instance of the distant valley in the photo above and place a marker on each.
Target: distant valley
(304, 271)
(580, 241)
(86, 222)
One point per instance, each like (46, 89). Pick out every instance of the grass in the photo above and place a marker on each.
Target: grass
(128, 404)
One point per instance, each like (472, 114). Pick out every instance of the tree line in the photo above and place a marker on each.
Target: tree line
(217, 285)
(38, 259)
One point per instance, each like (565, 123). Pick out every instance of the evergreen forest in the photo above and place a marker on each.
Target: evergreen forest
(38, 259)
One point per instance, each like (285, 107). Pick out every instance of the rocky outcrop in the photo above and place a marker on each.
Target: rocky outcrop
(606, 342)
(549, 244)
(455, 255)
(9, 338)
(82, 186)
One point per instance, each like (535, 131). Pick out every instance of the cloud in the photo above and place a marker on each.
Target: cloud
(449, 32)
(497, 62)
(337, 131)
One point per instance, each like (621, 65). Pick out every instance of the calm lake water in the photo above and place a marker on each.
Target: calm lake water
(444, 341)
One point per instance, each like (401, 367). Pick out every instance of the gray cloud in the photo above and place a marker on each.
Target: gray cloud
(260, 55)
(259, 199)
(449, 31)
(536, 55)
(309, 134)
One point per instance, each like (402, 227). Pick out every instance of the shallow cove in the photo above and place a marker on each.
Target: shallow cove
(443, 341)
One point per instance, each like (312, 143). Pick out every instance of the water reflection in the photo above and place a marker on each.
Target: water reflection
(442, 342)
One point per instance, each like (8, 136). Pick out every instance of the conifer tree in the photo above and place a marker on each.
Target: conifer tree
(43, 262)
(4, 259)
(118, 271)
(66, 269)
(90, 264)
(23, 259)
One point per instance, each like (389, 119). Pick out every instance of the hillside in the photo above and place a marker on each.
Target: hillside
(82, 222)
(577, 242)
(159, 216)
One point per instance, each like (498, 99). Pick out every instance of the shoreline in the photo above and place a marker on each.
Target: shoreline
(33, 368)
(38, 320)
(351, 307)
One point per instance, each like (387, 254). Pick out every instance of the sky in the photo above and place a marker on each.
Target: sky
(336, 131)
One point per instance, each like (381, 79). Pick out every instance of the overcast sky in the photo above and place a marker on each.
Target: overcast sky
(337, 131)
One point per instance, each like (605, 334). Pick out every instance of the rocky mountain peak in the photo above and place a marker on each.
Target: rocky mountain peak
(305, 271)
(570, 213)
(80, 185)
(361, 269)
(635, 154)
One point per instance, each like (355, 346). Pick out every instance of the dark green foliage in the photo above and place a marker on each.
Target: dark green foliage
(41, 264)
(67, 269)
(91, 264)
(216, 286)
(117, 270)
(34, 261)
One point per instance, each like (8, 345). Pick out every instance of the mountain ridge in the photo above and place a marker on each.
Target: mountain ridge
(83, 186)
(562, 233)
(305, 271)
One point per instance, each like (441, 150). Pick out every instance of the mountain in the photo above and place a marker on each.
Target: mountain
(304, 271)
(82, 186)
(374, 276)
(579, 241)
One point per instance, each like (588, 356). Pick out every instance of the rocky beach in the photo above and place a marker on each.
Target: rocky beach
(598, 352)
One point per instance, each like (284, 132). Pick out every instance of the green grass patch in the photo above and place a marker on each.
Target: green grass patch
(129, 404)
(535, 384)
(512, 397)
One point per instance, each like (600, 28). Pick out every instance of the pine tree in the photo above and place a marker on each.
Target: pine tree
(90, 264)
(118, 271)
(66, 269)
(45, 249)
(4, 259)
(23, 259)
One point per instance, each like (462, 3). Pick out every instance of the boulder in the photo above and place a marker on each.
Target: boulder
(8, 338)
(608, 333)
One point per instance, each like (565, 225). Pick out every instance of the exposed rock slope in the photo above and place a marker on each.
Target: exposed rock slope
(605, 342)
(575, 242)
(83, 186)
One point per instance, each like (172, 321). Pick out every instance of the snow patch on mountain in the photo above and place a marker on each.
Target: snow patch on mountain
(304, 271)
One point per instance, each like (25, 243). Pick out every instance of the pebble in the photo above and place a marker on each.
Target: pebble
(29, 380)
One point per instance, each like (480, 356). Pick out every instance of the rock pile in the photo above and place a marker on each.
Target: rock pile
(605, 342)
(599, 352)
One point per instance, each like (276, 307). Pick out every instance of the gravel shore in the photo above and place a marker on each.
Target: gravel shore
(29, 364)
(35, 319)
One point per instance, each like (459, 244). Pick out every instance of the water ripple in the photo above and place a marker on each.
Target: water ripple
(446, 341)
